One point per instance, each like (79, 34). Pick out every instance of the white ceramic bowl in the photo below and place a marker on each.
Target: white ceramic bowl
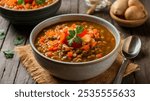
(32, 16)
(69, 70)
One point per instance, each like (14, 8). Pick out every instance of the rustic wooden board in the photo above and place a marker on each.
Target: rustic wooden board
(4, 25)
(22, 76)
(10, 65)
(82, 7)
(65, 7)
(144, 58)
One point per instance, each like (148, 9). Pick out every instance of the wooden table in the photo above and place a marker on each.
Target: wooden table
(11, 70)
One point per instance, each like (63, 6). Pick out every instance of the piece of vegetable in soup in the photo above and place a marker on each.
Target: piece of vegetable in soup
(75, 41)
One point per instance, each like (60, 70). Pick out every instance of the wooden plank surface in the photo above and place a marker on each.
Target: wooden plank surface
(10, 65)
(11, 71)
(22, 76)
(4, 25)
(144, 57)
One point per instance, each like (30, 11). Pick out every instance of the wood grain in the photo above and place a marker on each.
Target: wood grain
(144, 58)
(10, 65)
(4, 25)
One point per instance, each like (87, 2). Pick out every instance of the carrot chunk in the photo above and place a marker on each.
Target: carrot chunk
(70, 54)
(62, 37)
(53, 48)
(50, 48)
(93, 44)
(49, 54)
(42, 39)
(99, 55)
(86, 47)
(73, 26)
(95, 31)
(65, 30)
(11, 2)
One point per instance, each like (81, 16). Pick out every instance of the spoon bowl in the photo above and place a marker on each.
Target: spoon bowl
(131, 47)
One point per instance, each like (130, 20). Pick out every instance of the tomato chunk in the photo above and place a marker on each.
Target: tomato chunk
(83, 33)
(28, 1)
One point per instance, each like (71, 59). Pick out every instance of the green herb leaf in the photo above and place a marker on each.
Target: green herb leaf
(73, 35)
(19, 40)
(8, 54)
(77, 39)
(40, 2)
(2, 34)
(79, 29)
(20, 1)
(70, 42)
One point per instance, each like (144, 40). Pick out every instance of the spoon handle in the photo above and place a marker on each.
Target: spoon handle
(122, 69)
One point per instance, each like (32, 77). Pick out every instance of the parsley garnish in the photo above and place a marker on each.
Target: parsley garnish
(8, 54)
(2, 34)
(19, 40)
(79, 29)
(40, 1)
(73, 37)
(20, 1)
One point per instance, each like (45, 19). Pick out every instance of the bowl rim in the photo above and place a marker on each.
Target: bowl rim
(76, 63)
(30, 10)
(127, 21)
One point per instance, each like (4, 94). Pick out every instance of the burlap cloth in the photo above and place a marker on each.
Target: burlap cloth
(42, 76)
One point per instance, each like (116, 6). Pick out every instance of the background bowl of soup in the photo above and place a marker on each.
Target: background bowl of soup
(65, 65)
(31, 13)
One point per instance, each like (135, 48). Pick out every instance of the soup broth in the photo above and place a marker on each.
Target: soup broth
(76, 41)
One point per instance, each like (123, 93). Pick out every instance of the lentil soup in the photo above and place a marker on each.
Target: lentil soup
(25, 4)
(76, 41)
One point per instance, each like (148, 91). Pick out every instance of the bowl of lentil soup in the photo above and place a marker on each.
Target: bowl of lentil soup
(75, 46)
(28, 12)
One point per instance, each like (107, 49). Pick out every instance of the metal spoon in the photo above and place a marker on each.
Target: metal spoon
(130, 49)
